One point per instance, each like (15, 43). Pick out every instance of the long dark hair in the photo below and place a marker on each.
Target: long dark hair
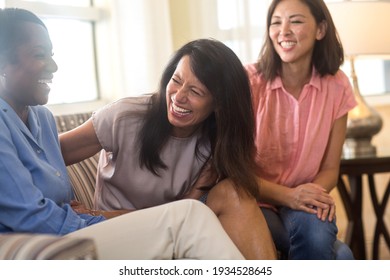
(11, 32)
(229, 130)
(328, 52)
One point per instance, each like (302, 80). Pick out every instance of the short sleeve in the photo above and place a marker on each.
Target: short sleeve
(348, 101)
(111, 121)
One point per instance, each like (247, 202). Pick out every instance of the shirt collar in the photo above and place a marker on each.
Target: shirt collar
(315, 81)
(9, 112)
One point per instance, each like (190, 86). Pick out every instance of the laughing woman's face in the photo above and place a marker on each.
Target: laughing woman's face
(189, 102)
(26, 77)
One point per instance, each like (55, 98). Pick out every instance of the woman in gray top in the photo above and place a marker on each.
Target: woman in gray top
(191, 139)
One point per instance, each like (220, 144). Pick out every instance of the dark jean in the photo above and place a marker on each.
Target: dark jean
(302, 236)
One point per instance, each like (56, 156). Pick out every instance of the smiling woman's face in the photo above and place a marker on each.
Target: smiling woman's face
(189, 102)
(28, 73)
(294, 31)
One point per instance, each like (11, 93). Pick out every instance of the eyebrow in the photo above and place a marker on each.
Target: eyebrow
(292, 16)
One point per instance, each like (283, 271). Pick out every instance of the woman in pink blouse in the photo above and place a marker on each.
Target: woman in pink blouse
(301, 100)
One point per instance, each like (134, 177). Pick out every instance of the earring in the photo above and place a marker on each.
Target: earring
(3, 79)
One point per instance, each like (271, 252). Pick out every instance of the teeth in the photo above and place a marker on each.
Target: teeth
(43, 81)
(180, 110)
(287, 44)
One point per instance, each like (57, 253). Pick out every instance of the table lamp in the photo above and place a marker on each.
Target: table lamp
(363, 30)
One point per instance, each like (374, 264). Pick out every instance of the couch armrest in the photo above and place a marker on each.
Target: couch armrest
(23, 246)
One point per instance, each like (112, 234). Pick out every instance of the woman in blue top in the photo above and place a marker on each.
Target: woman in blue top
(35, 189)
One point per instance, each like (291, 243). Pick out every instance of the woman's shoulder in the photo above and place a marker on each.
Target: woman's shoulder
(126, 105)
(252, 70)
(256, 78)
(122, 112)
(132, 102)
(339, 79)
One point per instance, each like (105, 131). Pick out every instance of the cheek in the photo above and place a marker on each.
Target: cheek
(168, 91)
(303, 34)
(273, 34)
(207, 109)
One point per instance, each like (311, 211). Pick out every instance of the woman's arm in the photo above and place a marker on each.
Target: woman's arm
(206, 180)
(81, 209)
(329, 170)
(312, 197)
(79, 143)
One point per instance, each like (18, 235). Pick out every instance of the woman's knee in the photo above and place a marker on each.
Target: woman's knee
(226, 197)
(305, 225)
(190, 208)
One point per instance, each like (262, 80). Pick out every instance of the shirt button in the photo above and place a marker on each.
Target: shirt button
(58, 174)
(39, 151)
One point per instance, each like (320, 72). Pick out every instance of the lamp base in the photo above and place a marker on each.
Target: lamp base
(360, 147)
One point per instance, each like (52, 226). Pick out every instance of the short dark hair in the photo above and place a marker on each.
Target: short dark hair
(11, 35)
(328, 54)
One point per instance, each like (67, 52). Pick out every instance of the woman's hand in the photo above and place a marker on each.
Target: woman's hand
(312, 198)
(329, 213)
(79, 207)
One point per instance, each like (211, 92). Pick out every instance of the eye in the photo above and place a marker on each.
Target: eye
(176, 80)
(276, 22)
(39, 55)
(296, 21)
(196, 92)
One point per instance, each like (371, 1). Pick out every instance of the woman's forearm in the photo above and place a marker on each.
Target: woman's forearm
(273, 193)
(327, 179)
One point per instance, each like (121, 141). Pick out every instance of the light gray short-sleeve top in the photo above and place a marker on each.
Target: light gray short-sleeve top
(121, 182)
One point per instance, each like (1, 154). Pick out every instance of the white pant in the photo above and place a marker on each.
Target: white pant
(185, 229)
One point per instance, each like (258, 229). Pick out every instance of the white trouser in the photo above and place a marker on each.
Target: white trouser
(185, 229)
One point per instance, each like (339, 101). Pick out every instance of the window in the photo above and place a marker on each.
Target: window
(241, 26)
(71, 28)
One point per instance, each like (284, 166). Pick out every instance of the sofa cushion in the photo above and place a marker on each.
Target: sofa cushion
(20, 246)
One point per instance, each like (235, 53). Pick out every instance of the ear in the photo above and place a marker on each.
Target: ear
(321, 30)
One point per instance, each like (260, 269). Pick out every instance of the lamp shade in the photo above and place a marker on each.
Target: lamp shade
(363, 26)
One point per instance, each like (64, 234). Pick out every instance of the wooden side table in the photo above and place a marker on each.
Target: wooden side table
(356, 169)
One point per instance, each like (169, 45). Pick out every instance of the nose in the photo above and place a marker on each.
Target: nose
(181, 95)
(285, 28)
(52, 65)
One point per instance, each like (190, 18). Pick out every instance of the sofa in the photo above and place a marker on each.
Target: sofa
(44, 246)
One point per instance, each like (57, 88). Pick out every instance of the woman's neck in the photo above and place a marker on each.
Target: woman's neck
(295, 77)
(20, 109)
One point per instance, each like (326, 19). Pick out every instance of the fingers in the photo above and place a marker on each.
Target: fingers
(74, 203)
(332, 213)
(312, 194)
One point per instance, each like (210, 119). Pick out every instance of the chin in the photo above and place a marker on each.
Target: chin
(42, 101)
